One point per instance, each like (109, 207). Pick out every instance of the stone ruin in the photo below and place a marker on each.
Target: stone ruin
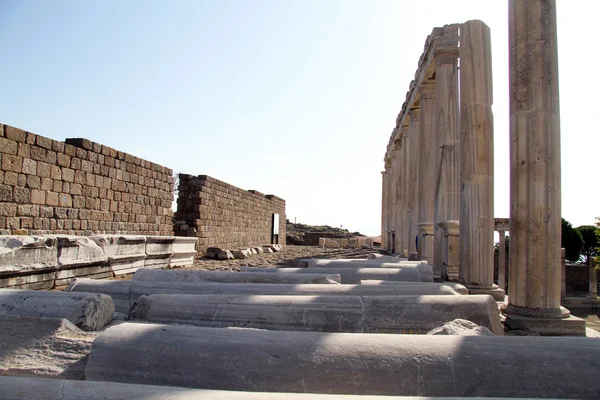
(329, 329)
(438, 183)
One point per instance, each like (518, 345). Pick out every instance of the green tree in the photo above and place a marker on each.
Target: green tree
(590, 242)
(571, 240)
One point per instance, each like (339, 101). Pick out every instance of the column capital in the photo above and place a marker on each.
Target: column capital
(445, 55)
(398, 144)
(404, 132)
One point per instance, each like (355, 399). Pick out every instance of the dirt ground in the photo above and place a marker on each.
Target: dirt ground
(285, 258)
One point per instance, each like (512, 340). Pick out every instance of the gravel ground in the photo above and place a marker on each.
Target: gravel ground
(285, 258)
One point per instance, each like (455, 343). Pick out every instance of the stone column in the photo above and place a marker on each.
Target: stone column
(563, 273)
(383, 211)
(502, 261)
(413, 183)
(404, 188)
(446, 160)
(477, 161)
(535, 219)
(399, 207)
(392, 197)
(450, 269)
(427, 150)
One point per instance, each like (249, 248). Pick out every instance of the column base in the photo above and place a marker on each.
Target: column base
(450, 273)
(413, 256)
(493, 290)
(543, 322)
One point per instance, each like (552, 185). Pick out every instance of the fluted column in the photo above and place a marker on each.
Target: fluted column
(477, 161)
(398, 194)
(502, 261)
(535, 217)
(413, 184)
(427, 150)
(404, 196)
(383, 211)
(392, 197)
(446, 160)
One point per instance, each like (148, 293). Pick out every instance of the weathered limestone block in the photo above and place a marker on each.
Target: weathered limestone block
(28, 261)
(184, 251)
(382, 364)
(350, 274)
(212, 252)
(58, 389)
(240, 254)
(158, 251)
(225, 255)
(321, 242)
(48, 347)
(458, 288)
(127, 292)
(461, 327)
(78, 257)
(126, 253)
(33, 282)
(367, 314)
(88, 311)
(232, 277)
(259, 250)
(331, 244)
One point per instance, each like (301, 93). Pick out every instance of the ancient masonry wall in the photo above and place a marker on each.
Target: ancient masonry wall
(79, 187)
(222, 215)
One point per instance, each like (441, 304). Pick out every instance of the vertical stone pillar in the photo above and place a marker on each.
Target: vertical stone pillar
(383, 210)
(413, 184)
(392, 197)
(502, 261)
(427, 150)
(593, 280)
(535, 219)
(450, 269)
(399, 207)
(404, 193)
(477, 161)
(563, 273)
(446, 160)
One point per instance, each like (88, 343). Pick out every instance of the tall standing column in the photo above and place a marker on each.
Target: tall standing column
(383, 211)
(502, 261)
(398, 194)
(392, 198)
(413, 184)
(405, 173)
(446, 160)
(477, 161)
(535, 218)
(427, 146)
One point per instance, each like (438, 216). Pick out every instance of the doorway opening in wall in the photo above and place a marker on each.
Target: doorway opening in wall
(275, 229)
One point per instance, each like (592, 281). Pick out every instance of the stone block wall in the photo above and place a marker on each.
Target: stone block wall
(79, 187)
(225, 216)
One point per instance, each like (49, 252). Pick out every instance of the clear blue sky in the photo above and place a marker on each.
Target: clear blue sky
(293, 98)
